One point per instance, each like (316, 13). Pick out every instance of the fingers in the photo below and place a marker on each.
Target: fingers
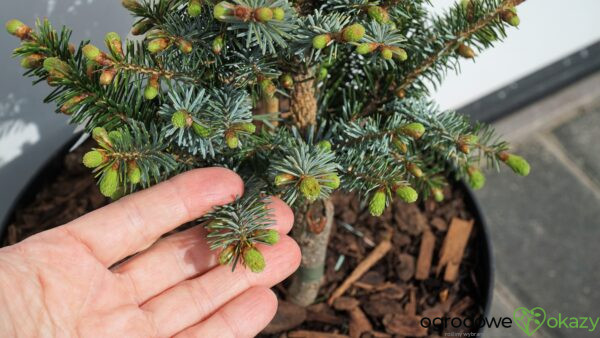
(194, 300)
(135, 222)
(182, 256)
(244, 316)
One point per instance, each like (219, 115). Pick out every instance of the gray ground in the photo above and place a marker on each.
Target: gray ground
(546, 227)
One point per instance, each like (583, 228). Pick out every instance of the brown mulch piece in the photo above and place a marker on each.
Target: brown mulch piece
(388, 300)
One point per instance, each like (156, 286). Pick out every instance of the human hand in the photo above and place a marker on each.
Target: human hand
(60, 282)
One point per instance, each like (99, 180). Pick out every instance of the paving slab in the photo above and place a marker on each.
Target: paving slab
(545, 230)
(580, 137)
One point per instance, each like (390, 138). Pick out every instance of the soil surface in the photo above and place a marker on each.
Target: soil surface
(387, 301)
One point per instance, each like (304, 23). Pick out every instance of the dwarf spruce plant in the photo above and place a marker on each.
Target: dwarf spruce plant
(301, 98)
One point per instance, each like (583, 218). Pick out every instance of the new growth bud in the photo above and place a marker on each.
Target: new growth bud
(132, 5)
(152, 88)
(324, 145)
(283, 179)
(438, 194)
(114, 44)
(465, 51)
(332, 181)
(353, 33)
(158, 45)
(18, 29)
(278, 14)
(407, 194)
(109, 183)
(517, 163)
(476, 178)
(254, 260)
(286, 81)
(226, 256)
(232, 140)
(321, 41)
(378, 14)
(134, 174)
(180, 119)
(377, 203)
(268, 236)
(263, 14)
(217, 44)
(142, 27)
(194, 8)
(222, 9)
(184, 46)
(200, 130)
(32, 61)
(310, 188)
(414, 130)
(94, 158)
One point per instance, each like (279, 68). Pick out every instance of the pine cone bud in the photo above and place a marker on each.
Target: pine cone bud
(332, 181)
(217, 44)
(232, 140)
(377, 203)
(324, 145)
(386, 53)
(114, 44)
(268, 236)
(18, 29)
(180, 119)
(407, 194)
(263, 14)
(152, 88)
(132, 5)
(93, 158)
(267, 87)
(310, 188)
(184, 46)
(134, 174)
(200, 130)
(438, 194)
(158, 45)
(107, 76)
(378, 14)
(32, 61)
(353, 33)
(278, 14)
(109, 183)
(321, 41)
(465, 51)
(142, 27)
(286, 81)
(194, 8)
(366, 48)
(254, 260)
(476, 178)
(517, 163)
(222, 9)
(414, 169)
(226, 256)
(414, 130)
(283, 179)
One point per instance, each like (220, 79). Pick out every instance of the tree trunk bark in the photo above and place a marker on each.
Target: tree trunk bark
(311, 231)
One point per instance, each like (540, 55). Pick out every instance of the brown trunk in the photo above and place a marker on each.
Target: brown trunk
(311, 231)
(303, 101)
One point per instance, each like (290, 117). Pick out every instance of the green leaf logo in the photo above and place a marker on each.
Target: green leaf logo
(529, 320)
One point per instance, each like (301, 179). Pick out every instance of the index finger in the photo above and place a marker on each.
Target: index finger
(133, 223)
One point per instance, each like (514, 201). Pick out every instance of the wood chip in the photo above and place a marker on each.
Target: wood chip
(439, 223)
(406, 268)
(425, 256)
(411, 306)
(321, 312)
(288, 316)
(379, 252)
(345, 303)
(314, 334)
(404, 325)
(359, 323)
(453, 248)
